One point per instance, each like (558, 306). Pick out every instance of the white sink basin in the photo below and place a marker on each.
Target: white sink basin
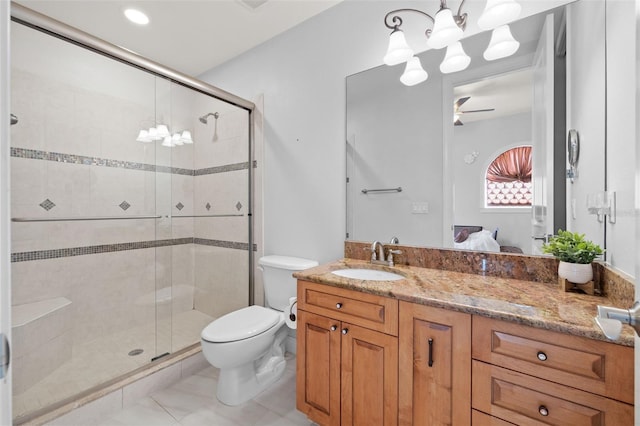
(368, 274)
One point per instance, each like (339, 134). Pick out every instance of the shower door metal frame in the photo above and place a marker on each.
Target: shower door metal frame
(73, 35)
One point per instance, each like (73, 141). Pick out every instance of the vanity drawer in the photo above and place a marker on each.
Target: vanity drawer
(594, 366)
(363, 309)
(525, 400)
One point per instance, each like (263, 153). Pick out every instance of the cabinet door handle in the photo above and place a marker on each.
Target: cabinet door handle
(338, 305)
(345, 330)
(542, 356)
(333, 328)
(544, 411)
(430, 352)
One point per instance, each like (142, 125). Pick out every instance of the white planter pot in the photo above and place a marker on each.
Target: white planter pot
(576, 273)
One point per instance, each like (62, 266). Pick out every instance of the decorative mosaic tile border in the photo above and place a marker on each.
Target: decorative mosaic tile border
(34, 154)
(224, 244)
(222, 169)
(28, 256)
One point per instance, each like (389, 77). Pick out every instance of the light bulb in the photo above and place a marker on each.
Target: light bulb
(413, 73)
(445, 30)
(143, 136)
(497, 13)
(398, 51)
(153, 134)
(163, 131)
(502, 44)
(168, 142)
(455, 59)
(185, 137)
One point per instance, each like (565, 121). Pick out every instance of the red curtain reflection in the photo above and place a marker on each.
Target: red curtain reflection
(512, 165)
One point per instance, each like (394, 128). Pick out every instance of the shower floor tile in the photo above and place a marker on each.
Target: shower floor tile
(95, 362)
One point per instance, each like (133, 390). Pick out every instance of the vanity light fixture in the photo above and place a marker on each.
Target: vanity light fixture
(447, 31)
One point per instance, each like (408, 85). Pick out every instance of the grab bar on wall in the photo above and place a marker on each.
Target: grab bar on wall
(398, 189)
(209, 215)
(73, 219)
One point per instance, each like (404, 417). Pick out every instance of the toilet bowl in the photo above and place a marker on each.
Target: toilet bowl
(248, 345)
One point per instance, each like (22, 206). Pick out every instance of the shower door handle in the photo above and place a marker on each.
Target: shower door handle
(5, 355)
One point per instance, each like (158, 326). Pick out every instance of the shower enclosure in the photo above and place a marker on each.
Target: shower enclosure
(131, 212)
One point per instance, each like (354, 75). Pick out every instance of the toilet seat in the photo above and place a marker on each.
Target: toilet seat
(241, 324)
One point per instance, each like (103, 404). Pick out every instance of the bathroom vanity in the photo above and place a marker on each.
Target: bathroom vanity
(445, 347)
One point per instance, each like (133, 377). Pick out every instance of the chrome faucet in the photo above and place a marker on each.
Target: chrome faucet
(379, 258)
(380, 255)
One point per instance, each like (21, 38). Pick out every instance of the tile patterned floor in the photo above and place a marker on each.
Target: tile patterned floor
(192, 402)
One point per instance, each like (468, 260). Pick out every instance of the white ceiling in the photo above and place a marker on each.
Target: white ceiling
(186, 35)
(507, 94)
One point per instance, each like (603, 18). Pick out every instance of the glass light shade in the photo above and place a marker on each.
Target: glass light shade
(413, 73)
(398, 51)
(497, 13)
(153, 134)
(163, 131)
(143, 136)
(186, 137)
(455, 59)
(445, 30)
(168, 142)
(502, 44)
(175, 139)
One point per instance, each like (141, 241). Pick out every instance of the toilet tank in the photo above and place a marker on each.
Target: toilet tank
(279, 284)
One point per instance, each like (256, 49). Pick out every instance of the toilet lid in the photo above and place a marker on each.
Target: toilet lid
(241, 324)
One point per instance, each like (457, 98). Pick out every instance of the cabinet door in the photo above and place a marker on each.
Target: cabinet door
(318, 368)
(435, 366)
(369, 377)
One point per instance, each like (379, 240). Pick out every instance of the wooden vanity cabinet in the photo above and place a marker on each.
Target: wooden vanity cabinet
(365, 359)
(347, 364)
(435, 366)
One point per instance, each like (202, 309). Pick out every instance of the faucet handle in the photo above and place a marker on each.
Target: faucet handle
(390, 254)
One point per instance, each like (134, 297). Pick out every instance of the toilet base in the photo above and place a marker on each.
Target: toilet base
(239, 384)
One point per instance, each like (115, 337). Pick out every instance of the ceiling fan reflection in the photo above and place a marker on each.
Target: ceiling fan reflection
(457, 112)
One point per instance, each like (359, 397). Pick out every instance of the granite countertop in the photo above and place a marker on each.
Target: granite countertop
(541, 305)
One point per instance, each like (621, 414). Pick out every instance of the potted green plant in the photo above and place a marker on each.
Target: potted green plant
(575, 254)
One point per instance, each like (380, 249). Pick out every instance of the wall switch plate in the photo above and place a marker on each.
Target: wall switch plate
(420, 208)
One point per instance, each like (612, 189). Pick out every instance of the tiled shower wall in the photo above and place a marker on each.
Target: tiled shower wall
(74, 154)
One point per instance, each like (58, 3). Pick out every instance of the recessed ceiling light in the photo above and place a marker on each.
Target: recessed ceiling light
(136, 16)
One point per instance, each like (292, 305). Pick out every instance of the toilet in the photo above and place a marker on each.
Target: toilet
(248, 345)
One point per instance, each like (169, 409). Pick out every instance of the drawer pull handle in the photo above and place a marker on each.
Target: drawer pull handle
(333, 328)
(345, 330)
(543, 411)
(430, 352)
(542, 356)
(338, 305)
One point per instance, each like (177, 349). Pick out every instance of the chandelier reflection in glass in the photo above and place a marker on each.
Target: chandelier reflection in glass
(160, 132)
(447, 30)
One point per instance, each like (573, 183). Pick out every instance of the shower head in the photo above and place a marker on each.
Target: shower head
(203, 119)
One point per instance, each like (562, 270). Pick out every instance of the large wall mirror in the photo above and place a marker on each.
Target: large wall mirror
(418, 157)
